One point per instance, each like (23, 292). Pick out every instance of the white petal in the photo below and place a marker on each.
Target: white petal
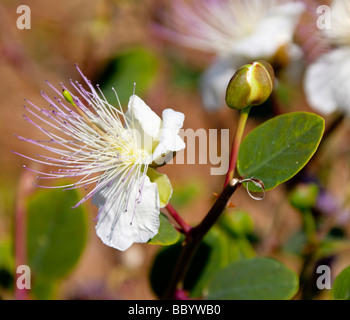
(145, 121)
(339, 33)
(214, 81)
(169, 141)
(118, 228)
(327, 82)
(274, 31)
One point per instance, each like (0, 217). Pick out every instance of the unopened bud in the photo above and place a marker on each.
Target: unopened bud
(304, 196)
(251, 85)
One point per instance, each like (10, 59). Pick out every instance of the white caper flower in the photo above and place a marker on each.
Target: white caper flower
(113, 152)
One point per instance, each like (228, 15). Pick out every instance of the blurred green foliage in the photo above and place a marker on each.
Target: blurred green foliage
(185, 192)
(304, 196)
(341, 286)
(184, 76)
(56, 236)
(6, 265)
(137, 65)
(220, 247)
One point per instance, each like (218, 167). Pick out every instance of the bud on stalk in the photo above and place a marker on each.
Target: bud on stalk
(251, 85)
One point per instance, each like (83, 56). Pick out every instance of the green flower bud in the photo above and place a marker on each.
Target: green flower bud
(304, 196)
(251, 85)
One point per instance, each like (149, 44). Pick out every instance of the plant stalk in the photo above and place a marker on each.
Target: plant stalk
(185, 227)
(195, 236)
(237, 143)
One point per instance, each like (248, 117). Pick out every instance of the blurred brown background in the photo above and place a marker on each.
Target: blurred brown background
(89, 33)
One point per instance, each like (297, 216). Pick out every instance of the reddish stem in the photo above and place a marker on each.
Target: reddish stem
(194, 238)
(185, 227)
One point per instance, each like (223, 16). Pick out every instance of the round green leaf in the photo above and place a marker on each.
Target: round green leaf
(56, 233)
(167, 234)
(279, 148)
(341, 286)
(254, 279)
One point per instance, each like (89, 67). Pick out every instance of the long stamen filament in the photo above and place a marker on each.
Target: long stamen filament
(70, 99)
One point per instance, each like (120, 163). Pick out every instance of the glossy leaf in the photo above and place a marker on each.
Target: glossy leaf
(56, 233)
(254, 279)
(167, 234)
(279, 148)
(341, 286)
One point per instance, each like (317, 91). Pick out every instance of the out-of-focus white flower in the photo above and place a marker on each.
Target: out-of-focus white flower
(327, 81)
(236, 31)
(100, 145)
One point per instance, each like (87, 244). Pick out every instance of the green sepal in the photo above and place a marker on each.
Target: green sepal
(167, 234)
(165, 189)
